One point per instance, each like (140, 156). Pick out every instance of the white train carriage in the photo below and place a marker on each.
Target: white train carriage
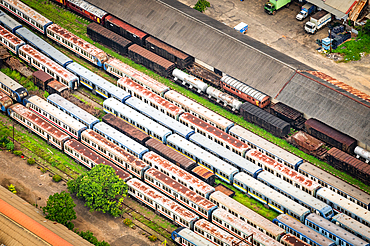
(41, 62)
(38, 125)
(136, 119)
(189, 80)
(219, 167)
(159, 202)
(10, 41)
(180, 193)
(353, 226)
(215, 134)
(76, 44)
(12, 88)
(237, 227)
(114, 153)
(26, 14)
(215, 234)
(310, 202)
(120, 70)
(343, 205)
(120, 139)
(198, 110)
(266, 147)
(71, 109)
(335, 184)
(55, 116)
(5, 101)
(185, 237)
(178, 174)
(222, 97)
(247, 215)
(149, 97)
(279, 170)
(270, 197)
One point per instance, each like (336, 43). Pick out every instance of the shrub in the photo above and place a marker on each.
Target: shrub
(44, 170)
(46, 94)
(17, 152)
(12, 188)
(201, 5)
(10, 146)
(57, 178)
(127, 222)
(153, 238)
(31, 161)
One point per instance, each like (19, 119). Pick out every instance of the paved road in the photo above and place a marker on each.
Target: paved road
(284, 33)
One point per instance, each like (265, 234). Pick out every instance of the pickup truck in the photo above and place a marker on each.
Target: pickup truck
(317, 21)
(306, 10)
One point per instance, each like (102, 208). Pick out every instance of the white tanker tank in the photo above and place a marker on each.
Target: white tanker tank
(225, 98)
(191, 81)
(363, 153)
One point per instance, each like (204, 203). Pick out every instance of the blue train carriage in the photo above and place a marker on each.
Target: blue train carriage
(300, 230)
(220, 168)
(10, 41)
(8, 22)
(242, 164)
(266, 147)
(270, 197)
(97, 84)
(120, 157)
(161, 203)
(41, 62)
(160, 117)
(43, 46)
(5, 101)
(310, 202)
(353, 226)
(38, 125)
(55, 116)
(343, 205)
(13, 89)
(77, 45)
(120, 139)
(26, 14)
(188, 198)
(247, 215)
(184, 236)
(333, 232)
(136, 119)
(71, 109)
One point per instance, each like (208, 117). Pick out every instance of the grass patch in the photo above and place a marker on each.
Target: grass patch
(26, 82)
(152, 225)
(251, 203)
(354, 49)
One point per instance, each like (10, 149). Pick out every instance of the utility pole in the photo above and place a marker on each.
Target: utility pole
(13, 134)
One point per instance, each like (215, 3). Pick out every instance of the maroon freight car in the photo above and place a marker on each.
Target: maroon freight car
(290, 115)
(330, 135)
(47, 83)
(308, 144)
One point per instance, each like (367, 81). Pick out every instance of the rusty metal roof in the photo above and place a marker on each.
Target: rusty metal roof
(179, 188)
(161, 199)
(62, 72)
(89, 7)
(237, 223)
(126, 26)
(89, 48)
(137, 76)
(39, 121)
(179, 173)
(41, 75)
(150, 56)
(142, 91)
(166, 47)
(10, 37)
(203, 172)
(56, 85)
(217, 232)
(307, 141)
(293, 240)
(114, 149)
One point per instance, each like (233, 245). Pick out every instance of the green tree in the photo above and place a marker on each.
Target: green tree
(101, 189)
(60, 208)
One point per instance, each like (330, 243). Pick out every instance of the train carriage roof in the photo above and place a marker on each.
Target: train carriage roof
(9, 82)
(89, 8)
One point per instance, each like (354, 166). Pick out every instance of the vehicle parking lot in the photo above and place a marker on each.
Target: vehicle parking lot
(286, 34)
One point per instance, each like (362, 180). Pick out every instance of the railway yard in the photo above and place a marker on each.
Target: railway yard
(173, 128)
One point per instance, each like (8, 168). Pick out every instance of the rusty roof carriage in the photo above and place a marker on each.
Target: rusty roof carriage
(10, 37)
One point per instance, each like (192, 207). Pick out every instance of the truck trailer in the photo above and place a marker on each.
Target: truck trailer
(306, 10)
(273, 5)
(317, 21)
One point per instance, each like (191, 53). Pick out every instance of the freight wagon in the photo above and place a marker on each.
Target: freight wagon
(290, 115)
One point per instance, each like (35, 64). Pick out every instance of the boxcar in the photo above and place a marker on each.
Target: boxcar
(284, 112)
(168, 52)
(349, 164)
(204, 174)
(56, 87)
(170, 154)
(10, 41)
(8, 22)
(352, 226)
(267, 121)
(330, 135)
(88, 10)
(184, 236)
(108, 38)
(125, 30)
(308, 144)
(126, 128)
(150, 60)
(41, 79)
(13, 89)
(5, 101)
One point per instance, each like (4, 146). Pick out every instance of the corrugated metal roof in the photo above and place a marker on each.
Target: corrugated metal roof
(220, 46)
(320, 99)
(342, 5)
(331, 9)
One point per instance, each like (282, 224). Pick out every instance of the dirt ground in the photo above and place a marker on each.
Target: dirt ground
(286, 34)
(35, 187)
